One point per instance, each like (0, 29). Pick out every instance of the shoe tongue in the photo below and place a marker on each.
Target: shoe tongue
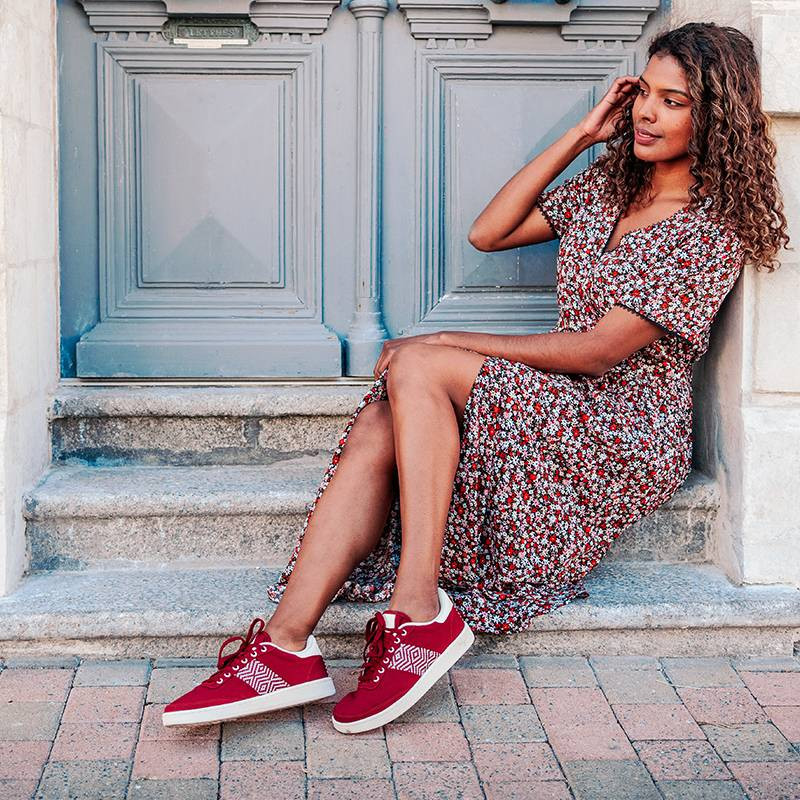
(394, 619)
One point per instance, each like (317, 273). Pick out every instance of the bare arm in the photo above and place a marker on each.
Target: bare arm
(511, 219)
(615, 337)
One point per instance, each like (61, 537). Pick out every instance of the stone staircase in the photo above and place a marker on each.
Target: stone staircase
(166, 510)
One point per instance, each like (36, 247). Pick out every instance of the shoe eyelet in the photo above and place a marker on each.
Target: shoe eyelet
(375, 679)
(391, 649)
(381, 669)
(227, 674)
(263, 648)
(405, 632)
(220, 680)
(244, 661)
(234, 669)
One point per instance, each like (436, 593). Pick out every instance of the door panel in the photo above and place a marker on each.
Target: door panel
(279, 206)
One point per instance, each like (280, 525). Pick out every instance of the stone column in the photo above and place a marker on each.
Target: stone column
(748, 386)
(28, 265)
(367, 332)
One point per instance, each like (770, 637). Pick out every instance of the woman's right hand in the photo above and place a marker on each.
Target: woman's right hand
(598, 124)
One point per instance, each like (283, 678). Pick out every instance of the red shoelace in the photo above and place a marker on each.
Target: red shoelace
(223, 662)
(375, 648)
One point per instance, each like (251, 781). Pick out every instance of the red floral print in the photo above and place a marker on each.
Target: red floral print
(554, 466)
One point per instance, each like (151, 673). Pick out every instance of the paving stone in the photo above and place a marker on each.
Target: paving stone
(346, 756)
(208, 664)
(700, 673)
(488, 661)
(18, 789)
(701, 790)
(557, 671)
(608, 663)
(527, 790)
(105, 704)
(774, 688)
(168, 759)
(84, 780)
(657, 721)
(179, 789)
(517, 761)
(122, 672)
(580, 724)
(488, 687)
(726, 706)
(767, 664)
(599, 779)
(437, 705)
(676, 761)
(750, 743)
(23, 759)
(170, 683)
(440, 780)
(635, 686)
(317, 723)
(349, 789)
(427, 741)
(23, 721)
(153, 728)
(281, 780)
(273, 740)
(502, 724)
(92, 741)
(42, 662)
(765, 780)
(42, 685)
(787, 720)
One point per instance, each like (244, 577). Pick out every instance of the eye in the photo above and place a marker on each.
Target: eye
(674, 104)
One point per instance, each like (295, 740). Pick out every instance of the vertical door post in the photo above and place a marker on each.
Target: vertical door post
(367, 332)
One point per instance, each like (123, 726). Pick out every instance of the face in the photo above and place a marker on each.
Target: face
(662, 107)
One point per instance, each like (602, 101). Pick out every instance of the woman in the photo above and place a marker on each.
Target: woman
(517, 460)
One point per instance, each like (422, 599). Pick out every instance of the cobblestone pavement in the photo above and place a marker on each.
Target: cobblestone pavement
(610, 727)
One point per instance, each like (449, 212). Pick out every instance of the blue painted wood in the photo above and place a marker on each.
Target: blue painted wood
(209, 199)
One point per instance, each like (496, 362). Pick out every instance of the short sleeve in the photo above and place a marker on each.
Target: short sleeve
(561, 205)
(683, 291)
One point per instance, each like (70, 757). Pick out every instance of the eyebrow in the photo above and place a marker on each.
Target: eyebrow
(677, 91)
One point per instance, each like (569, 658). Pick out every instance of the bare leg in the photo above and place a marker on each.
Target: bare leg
(345, 527)
(428, 386)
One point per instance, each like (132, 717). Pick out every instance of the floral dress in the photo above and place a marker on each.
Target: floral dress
(554, 466)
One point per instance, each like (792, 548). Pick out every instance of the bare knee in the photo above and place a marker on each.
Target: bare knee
(409, 367)
(372, 435)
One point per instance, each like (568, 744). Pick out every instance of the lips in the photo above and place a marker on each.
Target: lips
(645, 133)
(644, 138)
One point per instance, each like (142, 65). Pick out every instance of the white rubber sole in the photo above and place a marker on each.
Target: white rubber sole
(457, 648)
(280, 698)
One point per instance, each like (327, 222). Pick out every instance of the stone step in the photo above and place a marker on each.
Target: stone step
(81, 517)
(633, 608)
(200, 425)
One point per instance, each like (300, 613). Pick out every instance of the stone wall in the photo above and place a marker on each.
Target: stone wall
(748, 389)
(28, 263)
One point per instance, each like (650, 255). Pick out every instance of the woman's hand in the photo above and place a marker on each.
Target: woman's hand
(599, 123)
(391, 346)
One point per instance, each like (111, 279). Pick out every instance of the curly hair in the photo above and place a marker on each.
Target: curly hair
(731, 150)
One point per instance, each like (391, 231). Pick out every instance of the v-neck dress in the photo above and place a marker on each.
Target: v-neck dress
(554, 466)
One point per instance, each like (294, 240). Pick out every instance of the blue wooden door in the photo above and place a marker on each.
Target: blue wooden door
(248, 194)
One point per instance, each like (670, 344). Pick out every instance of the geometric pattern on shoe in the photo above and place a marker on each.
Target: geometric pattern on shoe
(261, 677)
(410, 658)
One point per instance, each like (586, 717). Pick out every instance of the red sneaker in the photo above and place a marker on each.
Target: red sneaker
(402, 660)
(259, 676)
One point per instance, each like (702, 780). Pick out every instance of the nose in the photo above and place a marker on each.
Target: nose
(646, 108)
